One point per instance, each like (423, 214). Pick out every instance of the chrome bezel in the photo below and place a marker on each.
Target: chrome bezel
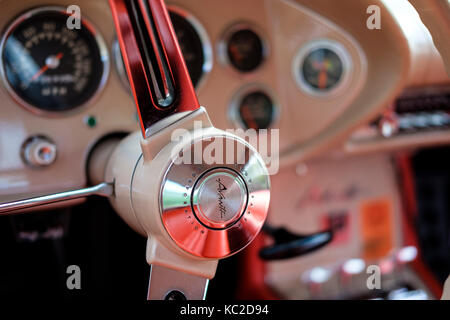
(204, 39)
(104, 55)
(116, 55)
(341, 52)
(26, 144)
(225, 38)
(233, 108)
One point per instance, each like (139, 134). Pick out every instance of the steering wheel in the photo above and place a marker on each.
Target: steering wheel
(199, 194)
(435, 14)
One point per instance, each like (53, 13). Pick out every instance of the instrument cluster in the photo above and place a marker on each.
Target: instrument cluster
(253, 67)
(52, 70)
(281, 65)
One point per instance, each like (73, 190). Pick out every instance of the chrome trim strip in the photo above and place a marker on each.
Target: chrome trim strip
(102, 189)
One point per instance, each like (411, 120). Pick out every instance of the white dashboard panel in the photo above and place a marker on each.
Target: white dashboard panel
(285, 28)
(113, 110)
(308, 124)
(334, 188)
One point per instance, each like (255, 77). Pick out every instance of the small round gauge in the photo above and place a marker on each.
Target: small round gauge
(254, 109)
(321, 67)
(48, 67)
(245, 49)
(193, 41)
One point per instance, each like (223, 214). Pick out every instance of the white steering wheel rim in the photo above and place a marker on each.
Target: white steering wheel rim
(435, 14)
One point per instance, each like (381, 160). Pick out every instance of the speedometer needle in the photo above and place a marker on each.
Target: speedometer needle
(46, 67)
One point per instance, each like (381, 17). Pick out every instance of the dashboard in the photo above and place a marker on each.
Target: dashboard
(304, 67)
(283, 63)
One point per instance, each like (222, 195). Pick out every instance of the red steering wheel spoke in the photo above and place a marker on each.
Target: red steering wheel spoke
(158, 75)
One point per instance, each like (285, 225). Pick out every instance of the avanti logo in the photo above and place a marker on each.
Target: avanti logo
(220, 189)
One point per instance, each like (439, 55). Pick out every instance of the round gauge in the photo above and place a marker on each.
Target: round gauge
(254, 109)
(321, 67)
(193, 41)
(48, 67)
(245, 49)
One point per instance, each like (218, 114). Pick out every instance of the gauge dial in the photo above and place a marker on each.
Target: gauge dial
(193, 42)
(256, 110)
(245, 50)
(322, 69)
(47, 66)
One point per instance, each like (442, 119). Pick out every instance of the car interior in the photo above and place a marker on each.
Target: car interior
(338, 113)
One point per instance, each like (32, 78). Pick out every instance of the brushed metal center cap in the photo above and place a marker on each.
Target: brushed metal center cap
(219, 198)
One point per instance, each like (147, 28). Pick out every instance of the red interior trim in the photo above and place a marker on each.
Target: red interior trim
(251, 284)
(408, 218)
(148, 110)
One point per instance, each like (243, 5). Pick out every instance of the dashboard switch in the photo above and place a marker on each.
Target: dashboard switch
(39, 152)
(389, 125)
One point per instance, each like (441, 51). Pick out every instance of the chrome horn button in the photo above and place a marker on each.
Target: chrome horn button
(199, 214)
(219, 198)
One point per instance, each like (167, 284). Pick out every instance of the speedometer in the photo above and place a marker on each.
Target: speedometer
(48, 67)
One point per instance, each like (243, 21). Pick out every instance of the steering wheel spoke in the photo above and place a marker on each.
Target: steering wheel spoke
(159, 78)
(193, 211)
(169, 284)
(15, 207)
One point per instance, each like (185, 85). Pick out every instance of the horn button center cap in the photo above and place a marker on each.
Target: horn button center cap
(219, 198)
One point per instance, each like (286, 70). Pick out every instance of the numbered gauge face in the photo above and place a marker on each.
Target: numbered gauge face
(245, 50)
(256, 110)
(191, 46)
(48, 67)
(322, 69)
(193, 42)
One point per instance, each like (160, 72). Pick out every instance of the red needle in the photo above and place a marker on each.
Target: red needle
(323, 78)
(323, 75)
(247, 115)
(45, 68)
